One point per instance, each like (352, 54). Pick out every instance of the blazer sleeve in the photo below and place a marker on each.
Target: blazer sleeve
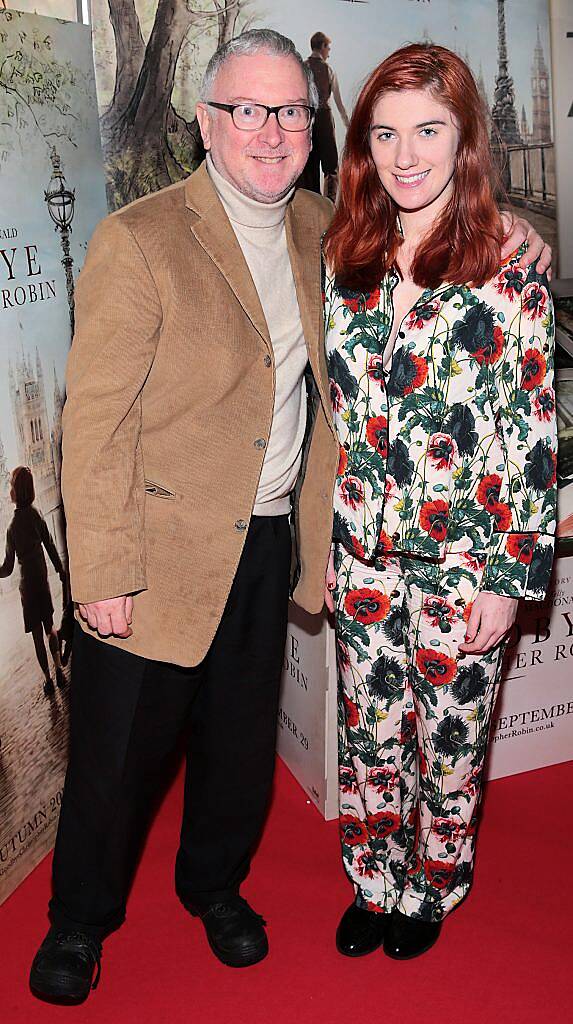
(521, 547)
(118, 317)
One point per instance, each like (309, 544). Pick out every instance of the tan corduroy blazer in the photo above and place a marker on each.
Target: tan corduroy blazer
(169, 388)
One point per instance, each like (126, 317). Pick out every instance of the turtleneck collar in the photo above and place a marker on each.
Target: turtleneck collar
(242, 209)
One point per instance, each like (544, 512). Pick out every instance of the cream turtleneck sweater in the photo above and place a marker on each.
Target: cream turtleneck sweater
(260, 231)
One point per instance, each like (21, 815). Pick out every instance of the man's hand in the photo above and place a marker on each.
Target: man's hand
(517, 230)
(112, 617)
(330, 582)
(491, 617)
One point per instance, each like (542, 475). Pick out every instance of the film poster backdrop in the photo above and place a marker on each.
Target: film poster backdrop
(52, 194)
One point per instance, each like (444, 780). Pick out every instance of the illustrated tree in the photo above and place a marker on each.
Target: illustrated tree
(148, 144)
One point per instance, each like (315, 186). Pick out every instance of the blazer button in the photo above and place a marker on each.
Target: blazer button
(268, 361)
(240, 524)
(260, 443)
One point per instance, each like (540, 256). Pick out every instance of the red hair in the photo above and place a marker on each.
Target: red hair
(464, 245)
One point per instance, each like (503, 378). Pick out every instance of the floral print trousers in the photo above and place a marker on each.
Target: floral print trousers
(414, 717)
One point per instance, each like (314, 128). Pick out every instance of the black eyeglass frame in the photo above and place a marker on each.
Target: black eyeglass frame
(231, 107)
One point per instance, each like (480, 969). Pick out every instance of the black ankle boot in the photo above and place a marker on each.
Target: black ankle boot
(407, 937)
(63, 968)
(360, 931)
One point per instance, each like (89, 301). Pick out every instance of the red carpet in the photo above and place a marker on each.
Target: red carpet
(504, 956)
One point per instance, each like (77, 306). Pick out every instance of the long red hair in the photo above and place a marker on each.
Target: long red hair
(464, 245)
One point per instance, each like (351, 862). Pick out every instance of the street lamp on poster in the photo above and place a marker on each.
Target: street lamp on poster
(61, 202)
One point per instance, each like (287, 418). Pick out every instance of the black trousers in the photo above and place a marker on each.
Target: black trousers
(127, 715)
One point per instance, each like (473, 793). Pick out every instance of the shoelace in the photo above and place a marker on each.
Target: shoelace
(93, 949)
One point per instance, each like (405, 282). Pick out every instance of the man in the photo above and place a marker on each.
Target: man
(198, 310)
(324, 151)
(183, 432)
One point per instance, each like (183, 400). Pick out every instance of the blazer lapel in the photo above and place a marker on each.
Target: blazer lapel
(214, 232)
(304, 252)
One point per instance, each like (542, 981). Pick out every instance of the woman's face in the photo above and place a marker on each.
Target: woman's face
(413, 141)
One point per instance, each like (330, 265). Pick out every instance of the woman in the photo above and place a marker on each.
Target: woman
(440, 358)
(26, 536)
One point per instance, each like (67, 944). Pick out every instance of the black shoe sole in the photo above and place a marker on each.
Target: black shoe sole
(56, 996)
(240, 959)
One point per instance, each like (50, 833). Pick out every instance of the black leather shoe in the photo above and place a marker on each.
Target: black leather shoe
(63, 968)
(407, 937)
(235, 932)
(360, 931)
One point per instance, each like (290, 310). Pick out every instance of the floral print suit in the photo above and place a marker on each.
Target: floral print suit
(446, 486)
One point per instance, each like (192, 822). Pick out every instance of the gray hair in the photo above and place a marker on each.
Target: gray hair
(256, 40)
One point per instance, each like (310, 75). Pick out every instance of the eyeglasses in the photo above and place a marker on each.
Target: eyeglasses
(251, 117)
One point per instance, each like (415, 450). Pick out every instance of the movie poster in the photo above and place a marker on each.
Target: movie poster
(51, 196)
(150, 135)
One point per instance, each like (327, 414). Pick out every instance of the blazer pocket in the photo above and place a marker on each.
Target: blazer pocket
(158, 491)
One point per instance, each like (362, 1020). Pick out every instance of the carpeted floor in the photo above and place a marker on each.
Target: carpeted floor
(504, 956)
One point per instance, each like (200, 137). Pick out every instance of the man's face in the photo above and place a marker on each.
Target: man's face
(325, 51)
(263, 164)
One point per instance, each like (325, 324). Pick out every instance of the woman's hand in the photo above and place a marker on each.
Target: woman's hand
(491, 617)
(330, 582)
(517, 230)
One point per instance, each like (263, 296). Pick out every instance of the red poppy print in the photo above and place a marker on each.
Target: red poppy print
(434, 518)
(415, 866)
(438, 611)
(358, 302)
(366, 865)
(474, 560)
(342, 462)
(367, 606)
(543, 405)
(336, 396)
(488, 490)
(351, 712)
(382, 779)
(352, 491)
(352, 830)
(533, 369)
(390, 488)
(446, 829)
(502, 515)
(442, 450)
(491, 352)
(423, 314)
(435, 666)
(347, 780)
(510, 282)
(522, 546)
(383, 824)
(472, 784)
(375, 369)
(420, 368)
(357, 547)
(422, 763)
(384, 543)
(377, 434)
(440, 873)
(534, 301)
(409, 728)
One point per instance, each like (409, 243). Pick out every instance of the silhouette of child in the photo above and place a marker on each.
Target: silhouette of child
(26, 537)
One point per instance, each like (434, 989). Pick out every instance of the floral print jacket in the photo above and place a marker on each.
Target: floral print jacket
(454, 448)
